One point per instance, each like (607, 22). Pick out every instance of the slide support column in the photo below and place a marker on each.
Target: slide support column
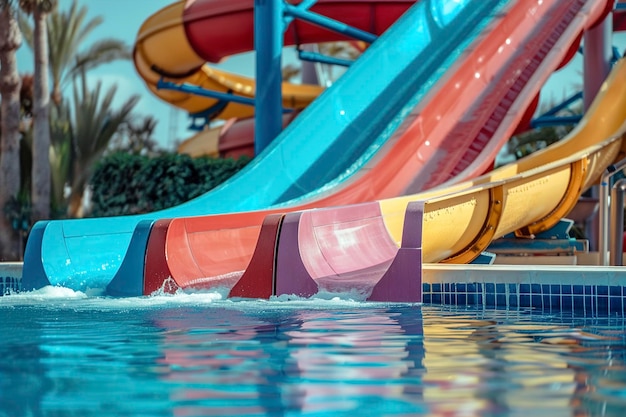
(597, 56)
(268, 44)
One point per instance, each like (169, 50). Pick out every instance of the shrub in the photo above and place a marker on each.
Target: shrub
(131, 184)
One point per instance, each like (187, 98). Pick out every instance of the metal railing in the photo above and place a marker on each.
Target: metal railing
(617, 214)
(617, 221)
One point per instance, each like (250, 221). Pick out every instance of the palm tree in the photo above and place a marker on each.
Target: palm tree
(10, 41)
(93, 125)
(66, 32)
(41, 176)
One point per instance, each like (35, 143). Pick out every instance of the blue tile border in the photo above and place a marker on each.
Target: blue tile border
(9, 284)
(588, 299)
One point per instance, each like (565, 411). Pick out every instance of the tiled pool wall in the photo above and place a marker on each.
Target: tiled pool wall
(8, 285)
(590, 290)
(10, 277)
(588, 298)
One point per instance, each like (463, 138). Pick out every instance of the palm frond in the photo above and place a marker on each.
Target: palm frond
(101, 52)
(94, 119)
(66, 31)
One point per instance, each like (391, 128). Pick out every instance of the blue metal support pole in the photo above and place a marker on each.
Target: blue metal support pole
(561, 106)
(268, 44)
(328, 23)
(303, 5)
(323, 59)
(544, 121)
(199, 91)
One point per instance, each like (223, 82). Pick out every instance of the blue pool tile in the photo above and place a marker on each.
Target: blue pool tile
(500, 289)
(567, 303)
(501, 300)
(535, 288)
(461, 299)
(425, 287)
(602, 304)
(579, 302)
(615, 290)
(512, 288)
(513, 301)
(471, 287)
(555, 289)
(426, 298)
(479, 287)
(588, 289)
(490, 288)
(566, 289)
(461, 287)
(446, 298)
(578, 289)
(479, 298)
(537, 301)
(437, 287)
(524, 300)
(472, 299)
(555, 301)
(602, 289)
(446, 287)
(616, 305)
(436, 298)
(490, 299)
(524, 288)
(545, 288)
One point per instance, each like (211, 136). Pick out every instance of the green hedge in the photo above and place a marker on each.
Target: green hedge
(131, 184)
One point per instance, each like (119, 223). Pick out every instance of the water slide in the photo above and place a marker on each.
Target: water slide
(201, 252)
(334, 136)
(98, 262)
(175, 44)
(69, 251)
(211, 31)
(378, 248)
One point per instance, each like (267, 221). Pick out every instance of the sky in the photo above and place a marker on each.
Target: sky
(122, 20)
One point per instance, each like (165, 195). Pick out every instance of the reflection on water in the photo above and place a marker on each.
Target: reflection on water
(175, 356)
(295, 361)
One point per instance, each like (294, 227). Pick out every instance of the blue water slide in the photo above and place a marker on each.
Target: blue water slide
(329, 141)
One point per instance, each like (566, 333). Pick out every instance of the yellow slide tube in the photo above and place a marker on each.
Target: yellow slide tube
(525, 197)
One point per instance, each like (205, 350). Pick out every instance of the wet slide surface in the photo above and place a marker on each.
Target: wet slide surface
(333, 133)
(378, 250)
(180, 248)
(110, 265)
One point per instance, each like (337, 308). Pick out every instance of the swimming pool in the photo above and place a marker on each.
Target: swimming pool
(65, 353)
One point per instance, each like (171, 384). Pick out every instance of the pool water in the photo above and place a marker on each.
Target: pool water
(64, 353)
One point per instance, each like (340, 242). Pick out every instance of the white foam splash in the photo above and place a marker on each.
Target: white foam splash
(94, 299)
